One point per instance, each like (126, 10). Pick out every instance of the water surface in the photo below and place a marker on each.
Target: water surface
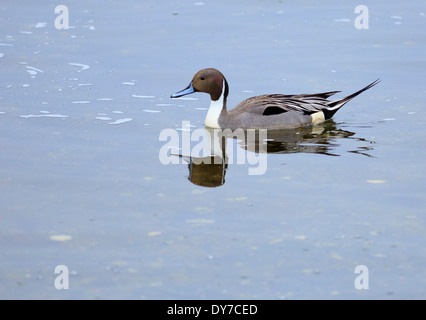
(82, 185)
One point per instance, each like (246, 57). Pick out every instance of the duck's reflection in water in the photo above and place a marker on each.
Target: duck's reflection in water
(210, 171)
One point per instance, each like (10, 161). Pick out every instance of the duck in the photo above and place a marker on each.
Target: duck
(268, 111)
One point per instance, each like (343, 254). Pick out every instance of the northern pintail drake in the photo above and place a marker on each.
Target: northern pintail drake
(269, 111)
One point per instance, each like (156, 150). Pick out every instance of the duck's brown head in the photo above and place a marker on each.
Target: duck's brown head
(208, 80)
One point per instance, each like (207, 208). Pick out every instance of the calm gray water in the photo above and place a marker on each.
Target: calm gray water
(82, 184)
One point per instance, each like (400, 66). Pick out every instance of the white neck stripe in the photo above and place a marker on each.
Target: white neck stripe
(212, 118)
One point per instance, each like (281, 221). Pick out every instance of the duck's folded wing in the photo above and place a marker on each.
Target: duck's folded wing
(274, 104)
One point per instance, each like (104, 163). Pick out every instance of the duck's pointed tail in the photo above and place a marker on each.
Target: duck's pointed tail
(335, 105)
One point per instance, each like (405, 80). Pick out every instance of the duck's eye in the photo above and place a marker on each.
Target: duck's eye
(202, 78)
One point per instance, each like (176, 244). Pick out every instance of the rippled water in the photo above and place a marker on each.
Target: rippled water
(82, 183)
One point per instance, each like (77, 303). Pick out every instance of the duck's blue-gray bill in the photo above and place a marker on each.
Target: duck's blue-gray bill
(188, 90)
